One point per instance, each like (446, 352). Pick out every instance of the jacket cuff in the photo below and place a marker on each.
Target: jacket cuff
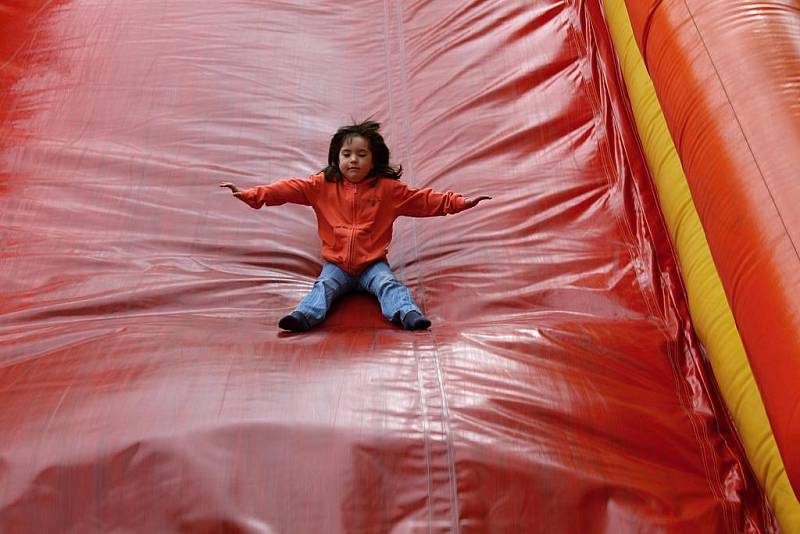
(248, 196)
(460, 203)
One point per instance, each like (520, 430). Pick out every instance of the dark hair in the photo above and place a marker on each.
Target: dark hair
(380, 152)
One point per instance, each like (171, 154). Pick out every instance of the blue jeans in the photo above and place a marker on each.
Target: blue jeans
(378, 279)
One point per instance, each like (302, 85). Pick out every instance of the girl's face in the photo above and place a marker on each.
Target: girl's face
(355, 159)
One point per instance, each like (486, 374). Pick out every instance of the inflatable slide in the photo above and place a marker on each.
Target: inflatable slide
(615, 343)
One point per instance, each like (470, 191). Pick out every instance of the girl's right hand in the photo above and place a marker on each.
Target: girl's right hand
(235, 190)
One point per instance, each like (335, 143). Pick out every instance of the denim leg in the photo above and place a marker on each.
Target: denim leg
(393, 295)
(331, 284)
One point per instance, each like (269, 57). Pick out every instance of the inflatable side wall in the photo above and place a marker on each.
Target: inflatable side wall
(719, 124)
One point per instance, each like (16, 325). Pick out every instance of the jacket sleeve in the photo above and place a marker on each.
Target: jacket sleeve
(292, 190)
(413, 202)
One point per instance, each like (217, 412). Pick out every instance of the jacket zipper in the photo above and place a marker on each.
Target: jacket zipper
(353, 229)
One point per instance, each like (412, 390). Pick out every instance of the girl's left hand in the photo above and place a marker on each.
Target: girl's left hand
(472, 202)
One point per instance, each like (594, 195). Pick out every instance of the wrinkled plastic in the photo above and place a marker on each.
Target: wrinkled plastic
(732, 105)
(708, 305)
(143, 380)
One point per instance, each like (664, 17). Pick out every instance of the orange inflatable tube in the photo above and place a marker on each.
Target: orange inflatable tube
(727, 85)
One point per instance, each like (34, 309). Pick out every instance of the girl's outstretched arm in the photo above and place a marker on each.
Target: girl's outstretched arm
(426, 202)
(292, 190)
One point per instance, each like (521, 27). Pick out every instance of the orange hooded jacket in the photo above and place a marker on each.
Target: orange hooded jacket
(355, 220)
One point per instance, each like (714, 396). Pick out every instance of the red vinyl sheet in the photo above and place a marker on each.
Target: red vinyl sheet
(144, 383)
(735, 115)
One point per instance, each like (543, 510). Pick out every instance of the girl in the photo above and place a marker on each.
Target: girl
(356, 199)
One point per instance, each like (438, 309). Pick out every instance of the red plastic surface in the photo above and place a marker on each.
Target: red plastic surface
(732, 104)
(144, 384)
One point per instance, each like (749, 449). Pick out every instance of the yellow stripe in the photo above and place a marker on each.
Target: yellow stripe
(708, 305)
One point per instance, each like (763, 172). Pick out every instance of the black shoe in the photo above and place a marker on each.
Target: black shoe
(415, 321)
(294, 322)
